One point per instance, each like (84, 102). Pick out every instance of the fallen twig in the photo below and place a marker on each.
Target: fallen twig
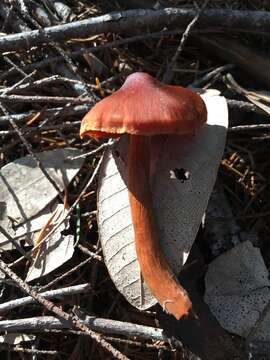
(71, 271)
(244, 106)
(71, 321)
(32, 130)
(54, 79)
(71, 290)
(167, 77)
(264, 127)
(92, 49)
(210, 75)
(241, 105)
(95, 151)
(33, 352)
(68, 111)
(46, 99)
(81, 87)
(105, 326)
(135, 19)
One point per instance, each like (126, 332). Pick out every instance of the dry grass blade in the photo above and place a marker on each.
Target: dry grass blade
(35, 251)
(259, 98)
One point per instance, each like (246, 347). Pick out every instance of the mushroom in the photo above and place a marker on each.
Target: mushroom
(144, 107)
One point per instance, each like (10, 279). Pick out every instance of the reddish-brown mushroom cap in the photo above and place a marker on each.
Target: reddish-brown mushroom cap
(145, 106)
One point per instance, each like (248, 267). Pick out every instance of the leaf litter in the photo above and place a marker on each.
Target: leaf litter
(25, 192)
(250, 208)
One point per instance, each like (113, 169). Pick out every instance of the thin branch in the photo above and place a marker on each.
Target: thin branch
(234, 129)
(106, 145)
(241, 105)
(69, 62)
(37, 129)
(71, 271)
(68, 111)
(87, 49)
(122, 21)
(18, 84)
(244, 106)
(210, 75)
(104, 326)
(90, 253)
(16, 67)
(13, 242)
(167, 78)
(54, 79)
(71, 290)
(20, 349)
(45, 99)
(71, 321)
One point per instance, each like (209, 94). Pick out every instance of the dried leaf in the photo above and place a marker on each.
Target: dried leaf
(56, 250)
(63, 11)
(15, 338)
(178, 205)
(22, 183)
(28, 231)
(237, 291)
(259, 98)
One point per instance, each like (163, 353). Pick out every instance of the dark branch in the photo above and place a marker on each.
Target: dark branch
(136, 19)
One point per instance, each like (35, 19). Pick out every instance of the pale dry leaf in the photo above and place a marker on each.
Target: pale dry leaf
(64, 11)
(16, 338)
(259, 98)
(57, 249)
(25, 191)
(28, 231)
(178, 205)
(237, 291)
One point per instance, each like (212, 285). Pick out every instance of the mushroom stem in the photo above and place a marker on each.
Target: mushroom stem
(155, 270)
